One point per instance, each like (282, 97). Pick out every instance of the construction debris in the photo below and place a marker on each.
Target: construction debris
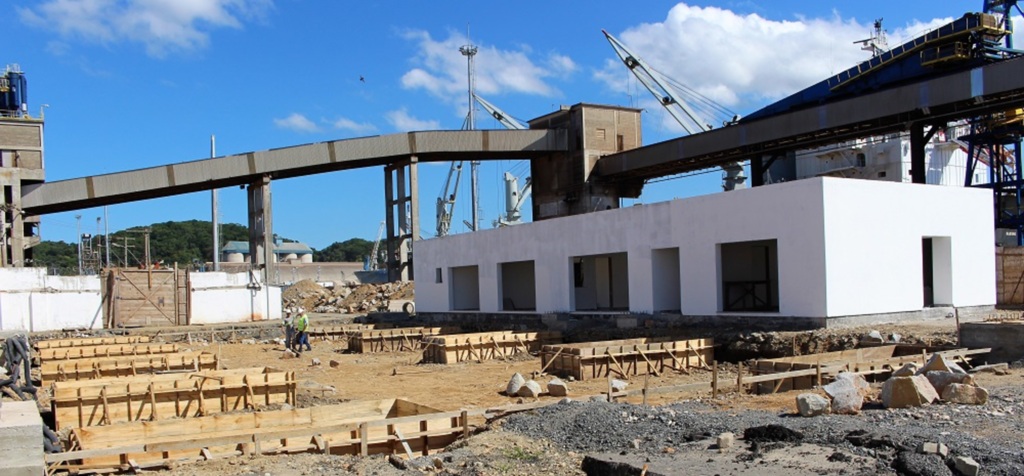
(530, 389)
(349, 298)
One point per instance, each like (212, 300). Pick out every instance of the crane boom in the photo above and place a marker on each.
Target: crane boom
(499, 115)
(446, 201)
(666, 95)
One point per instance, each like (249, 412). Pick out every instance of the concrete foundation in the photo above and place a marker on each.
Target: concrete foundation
(624, 324)
(1005, 338)
(21, 439)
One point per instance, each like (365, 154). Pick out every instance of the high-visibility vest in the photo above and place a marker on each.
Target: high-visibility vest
(302, 323)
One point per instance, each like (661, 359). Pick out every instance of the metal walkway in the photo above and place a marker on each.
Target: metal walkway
(308, 159)
(983, 90)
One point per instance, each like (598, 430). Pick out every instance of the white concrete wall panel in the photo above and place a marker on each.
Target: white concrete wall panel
(873, 234)
(225, 297)
(32, 301)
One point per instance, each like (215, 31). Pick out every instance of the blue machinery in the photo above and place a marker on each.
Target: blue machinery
(13, 92)
(973, 40)
(996, 141)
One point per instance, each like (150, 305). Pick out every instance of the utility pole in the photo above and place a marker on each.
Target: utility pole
(469, 51)
(106, 234)
(213, 205)
(78, 235)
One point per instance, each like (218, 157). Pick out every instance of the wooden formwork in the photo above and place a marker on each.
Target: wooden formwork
(452, 348)
(369, 427)
(340, 332)
(390, 340)
(113, 350)
(866, 360)
(126, 365)
(90, 341)
(81, 403)
(625, 357)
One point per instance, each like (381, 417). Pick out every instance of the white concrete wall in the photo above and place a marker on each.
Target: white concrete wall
(873, 239)
(225, 297)
(844, 247)
(790, 213)
(32, 301)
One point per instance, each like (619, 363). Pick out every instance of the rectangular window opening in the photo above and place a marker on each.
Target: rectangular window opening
(749, 276)
(601, 282)
(518, 286)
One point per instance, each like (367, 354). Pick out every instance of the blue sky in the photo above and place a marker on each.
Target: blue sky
(132, 84)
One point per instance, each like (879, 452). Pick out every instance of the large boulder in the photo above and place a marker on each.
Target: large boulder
(811, 404)
(847, 392)
(904, 392)
(558, 388)
(530, 389)
(940, 379)
(514, 384)
(965, 394)
(940, 363)
(909, 369)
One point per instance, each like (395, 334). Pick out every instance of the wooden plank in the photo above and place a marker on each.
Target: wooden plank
(90, 341)
(96, 351)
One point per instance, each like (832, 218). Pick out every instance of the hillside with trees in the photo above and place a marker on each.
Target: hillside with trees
(182, 242)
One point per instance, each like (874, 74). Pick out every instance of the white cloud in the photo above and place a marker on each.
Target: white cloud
(296, 122)
(440, 69)
(353, 126)
(162, 26)
(403, 122)
(745, 61)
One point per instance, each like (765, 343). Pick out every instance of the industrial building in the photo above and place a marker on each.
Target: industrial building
(807, 249)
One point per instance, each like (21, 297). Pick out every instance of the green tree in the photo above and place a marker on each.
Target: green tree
(351, 250)
(56, 254)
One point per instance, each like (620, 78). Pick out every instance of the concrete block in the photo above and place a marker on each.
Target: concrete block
(1006, 339)
(930, 448)
(726, 440)
(967, 466)
(21, 440)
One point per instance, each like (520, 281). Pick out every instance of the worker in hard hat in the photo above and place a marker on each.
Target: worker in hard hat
(302, 331)
(289, 327)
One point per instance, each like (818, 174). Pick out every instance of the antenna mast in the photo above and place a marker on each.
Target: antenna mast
(469, 51)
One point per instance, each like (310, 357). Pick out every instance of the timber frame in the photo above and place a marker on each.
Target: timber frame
(83, 403)
(359, 428)
(480, 346)
(390, 340)
(626, 357)
(127, 365)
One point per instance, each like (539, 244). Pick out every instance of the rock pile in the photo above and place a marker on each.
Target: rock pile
(348, 298)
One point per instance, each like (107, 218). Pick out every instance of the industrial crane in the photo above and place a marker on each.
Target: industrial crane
(515, 197)
(446, 201)
(663, 91)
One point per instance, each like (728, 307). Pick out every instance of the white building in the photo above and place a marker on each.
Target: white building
(815, 248)
(888, 159)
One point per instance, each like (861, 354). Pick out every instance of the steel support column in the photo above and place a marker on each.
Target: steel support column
(757, 171)
(261, 230)
(918, 141)
(401, 198)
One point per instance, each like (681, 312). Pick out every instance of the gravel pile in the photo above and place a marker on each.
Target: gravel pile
(990, 434)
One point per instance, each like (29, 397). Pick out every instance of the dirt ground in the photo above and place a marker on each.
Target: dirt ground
(471, 385)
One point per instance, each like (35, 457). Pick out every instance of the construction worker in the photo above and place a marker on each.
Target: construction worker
(289, 327)
(302, 331)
